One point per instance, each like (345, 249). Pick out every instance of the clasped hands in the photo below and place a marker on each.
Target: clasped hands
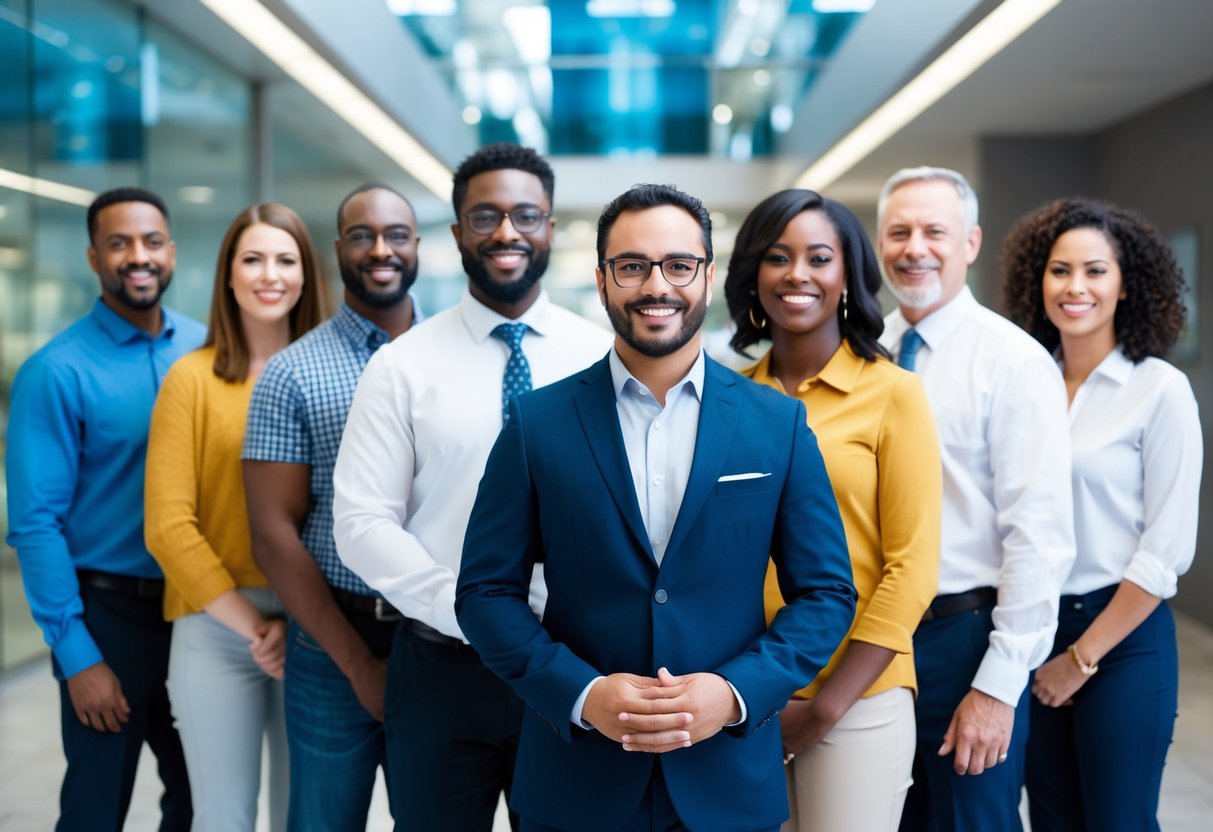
(660, 714)
(268, 647)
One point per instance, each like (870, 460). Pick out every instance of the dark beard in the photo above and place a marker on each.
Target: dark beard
(372, 297)
(504, 293)
(141, 303)
(692, 320)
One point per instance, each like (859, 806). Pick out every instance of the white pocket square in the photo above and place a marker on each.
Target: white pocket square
(751, 476)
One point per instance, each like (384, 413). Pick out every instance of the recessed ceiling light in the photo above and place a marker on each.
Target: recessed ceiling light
(45, 188)
(981, 43)
(267, 33)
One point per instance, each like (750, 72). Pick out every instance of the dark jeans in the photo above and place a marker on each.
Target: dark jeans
(452, 728)
(335, 745)
(947, 653)
(1097, 764)
(134, 640)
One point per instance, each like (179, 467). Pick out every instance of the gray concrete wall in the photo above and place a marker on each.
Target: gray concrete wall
(1159, 162)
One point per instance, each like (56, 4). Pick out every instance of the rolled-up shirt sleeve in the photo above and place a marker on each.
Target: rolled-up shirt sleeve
(1172, 455)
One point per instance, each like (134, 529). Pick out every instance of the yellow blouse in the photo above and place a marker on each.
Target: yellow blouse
(877, 436)
(195, 517)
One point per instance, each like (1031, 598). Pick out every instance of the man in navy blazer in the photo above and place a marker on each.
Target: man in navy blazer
(653, 487)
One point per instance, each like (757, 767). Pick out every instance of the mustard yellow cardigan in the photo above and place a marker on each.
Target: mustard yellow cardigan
(195, 517)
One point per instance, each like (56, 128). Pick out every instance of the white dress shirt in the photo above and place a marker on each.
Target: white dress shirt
(424, 418)
(1000, 408)
(1138, 452)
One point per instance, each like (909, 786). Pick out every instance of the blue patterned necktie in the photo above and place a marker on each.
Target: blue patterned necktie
(517, 378)
(910, 342)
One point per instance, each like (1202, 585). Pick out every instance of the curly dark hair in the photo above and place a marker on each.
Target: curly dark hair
(500, 156)
(1149, 318)
(860, 322)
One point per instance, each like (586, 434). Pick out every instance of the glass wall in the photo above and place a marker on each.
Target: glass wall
(95, 95)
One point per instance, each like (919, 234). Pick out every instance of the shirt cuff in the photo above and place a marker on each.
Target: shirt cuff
(76, 650)
(1001, 678)
(579, 705)
(1152, 575)
(740, 704)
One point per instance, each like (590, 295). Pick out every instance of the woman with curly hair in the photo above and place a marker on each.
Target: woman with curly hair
(1100, 287)
(804, 275)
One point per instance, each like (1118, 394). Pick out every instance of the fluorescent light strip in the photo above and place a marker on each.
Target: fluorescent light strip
(276, 41)
(981, 43)
(45, 188)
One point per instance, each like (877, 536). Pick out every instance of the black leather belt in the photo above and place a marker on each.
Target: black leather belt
(945, 605)
(147, 589)
(367, 605)
(427, 633)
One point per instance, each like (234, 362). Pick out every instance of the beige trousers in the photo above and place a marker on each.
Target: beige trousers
(857, 777)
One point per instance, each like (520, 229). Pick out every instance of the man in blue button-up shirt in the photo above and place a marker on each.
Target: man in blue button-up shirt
(77, 438)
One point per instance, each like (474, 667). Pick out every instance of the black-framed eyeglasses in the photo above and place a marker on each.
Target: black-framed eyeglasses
(525, 219)
(629, 272)
(363, 238)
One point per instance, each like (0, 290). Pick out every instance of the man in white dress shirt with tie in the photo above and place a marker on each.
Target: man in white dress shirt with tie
(1008, 538)
(428, 409)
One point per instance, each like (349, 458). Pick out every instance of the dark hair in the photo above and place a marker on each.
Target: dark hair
(361, 189)
(859, 320)
(118, 195)
(642, 197)
(1149, 318)
(500, 156)
(225, 331)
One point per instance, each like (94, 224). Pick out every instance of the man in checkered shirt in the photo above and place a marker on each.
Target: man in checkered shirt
(341, 630)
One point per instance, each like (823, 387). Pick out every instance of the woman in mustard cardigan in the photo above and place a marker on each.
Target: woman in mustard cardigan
(228, 644)
(804, 276)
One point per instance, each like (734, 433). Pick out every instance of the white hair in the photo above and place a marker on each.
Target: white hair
(968, 196)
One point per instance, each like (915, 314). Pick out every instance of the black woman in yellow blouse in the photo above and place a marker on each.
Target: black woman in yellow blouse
(803, 276)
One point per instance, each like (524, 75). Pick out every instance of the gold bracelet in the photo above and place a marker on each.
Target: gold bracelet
(1083, 667)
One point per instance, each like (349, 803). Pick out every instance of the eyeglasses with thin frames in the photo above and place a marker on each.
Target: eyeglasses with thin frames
(630, 272)
(526, 219)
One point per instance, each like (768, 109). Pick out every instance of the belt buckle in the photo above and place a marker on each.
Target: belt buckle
(385, 611)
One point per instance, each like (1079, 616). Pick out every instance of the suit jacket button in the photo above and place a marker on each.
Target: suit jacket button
(660, 596)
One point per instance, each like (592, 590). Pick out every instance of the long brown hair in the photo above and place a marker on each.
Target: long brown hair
(225, 331)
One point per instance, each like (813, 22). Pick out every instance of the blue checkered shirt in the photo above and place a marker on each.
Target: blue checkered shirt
(297, 414)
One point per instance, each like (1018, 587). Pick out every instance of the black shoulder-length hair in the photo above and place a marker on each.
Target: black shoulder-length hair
(859, 320)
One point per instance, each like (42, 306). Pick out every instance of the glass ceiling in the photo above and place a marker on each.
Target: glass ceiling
(632, 77)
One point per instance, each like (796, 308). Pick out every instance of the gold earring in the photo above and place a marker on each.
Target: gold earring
(844, 304)
(758, 326)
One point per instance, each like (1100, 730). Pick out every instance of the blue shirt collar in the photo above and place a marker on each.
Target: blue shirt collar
(624, 380)
(359, 330)
(122, 331)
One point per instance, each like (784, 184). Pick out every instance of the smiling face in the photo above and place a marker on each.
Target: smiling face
(655, 318)
(132, 255)
(924, 249)
(266, 274)
(802, 276)
(377, 249)
(1081, 286)
(504, 265)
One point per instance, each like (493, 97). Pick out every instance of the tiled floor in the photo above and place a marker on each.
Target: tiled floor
(31, 763)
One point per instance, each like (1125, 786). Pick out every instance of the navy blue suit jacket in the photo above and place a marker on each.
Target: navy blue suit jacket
(557, 490)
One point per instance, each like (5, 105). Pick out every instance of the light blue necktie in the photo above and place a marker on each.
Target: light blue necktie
(910, 342)
(517, 378)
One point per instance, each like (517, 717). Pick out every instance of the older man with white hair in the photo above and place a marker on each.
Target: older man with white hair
(1008, 538)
